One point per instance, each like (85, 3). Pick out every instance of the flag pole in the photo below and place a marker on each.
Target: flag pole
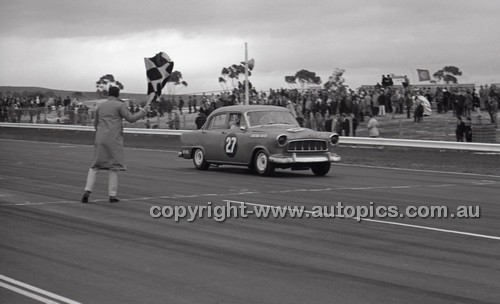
(246, 75)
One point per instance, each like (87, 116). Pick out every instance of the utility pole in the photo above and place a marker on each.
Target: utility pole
(247, 99)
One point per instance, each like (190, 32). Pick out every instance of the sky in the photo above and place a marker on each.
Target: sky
(69, 45)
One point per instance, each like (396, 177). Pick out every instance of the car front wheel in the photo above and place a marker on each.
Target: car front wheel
(321, 169)
(199, 160)
(262, 164)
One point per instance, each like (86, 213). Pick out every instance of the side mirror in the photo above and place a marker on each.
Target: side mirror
(243, 128)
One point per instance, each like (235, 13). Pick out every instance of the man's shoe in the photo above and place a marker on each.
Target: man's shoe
(85, 198)
(113, 199)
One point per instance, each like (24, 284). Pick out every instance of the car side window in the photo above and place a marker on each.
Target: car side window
(218, 122)
(236, 121)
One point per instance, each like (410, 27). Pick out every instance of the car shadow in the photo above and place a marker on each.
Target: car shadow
(279, 173)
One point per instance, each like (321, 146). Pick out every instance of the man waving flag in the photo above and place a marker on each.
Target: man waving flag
(158, 70)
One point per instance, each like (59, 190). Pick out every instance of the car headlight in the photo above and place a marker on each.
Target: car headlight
(334, 139)
(282, 140)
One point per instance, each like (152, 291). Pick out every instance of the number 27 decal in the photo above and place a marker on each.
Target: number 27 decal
(231, 145)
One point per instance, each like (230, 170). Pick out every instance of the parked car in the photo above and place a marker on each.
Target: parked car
(260, 137)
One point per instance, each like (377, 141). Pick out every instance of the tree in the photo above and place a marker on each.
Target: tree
(306, 78)
(174, 81)
(232, 73)
(223, 83)
(447, 74)
(291, 81)
(336, 81)
(103, 84)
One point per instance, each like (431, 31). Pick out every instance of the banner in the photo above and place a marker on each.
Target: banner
(423, 75)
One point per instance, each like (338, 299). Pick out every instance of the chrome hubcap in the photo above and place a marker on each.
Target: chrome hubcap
(262, 162)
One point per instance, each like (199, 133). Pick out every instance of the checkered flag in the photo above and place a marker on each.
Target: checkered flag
(158, 70)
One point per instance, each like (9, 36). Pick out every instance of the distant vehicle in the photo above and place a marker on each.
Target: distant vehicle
(262, 138)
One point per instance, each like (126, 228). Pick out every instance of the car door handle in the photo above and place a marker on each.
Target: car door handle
(223, 132)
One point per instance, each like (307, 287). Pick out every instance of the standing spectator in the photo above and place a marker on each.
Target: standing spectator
(190, 104)
(476, 102)
(460, 103)
(181, 105)
(291, 108)
(367, 102)
(381, 103)
(200, 120)
(468, 129)
(439, 100)
(194, 104)
(329, 123)
(468, 103)
(406, 82)
(300, 114)
(483, 96)
(108, 154)
(460, 129)
(493, 109)
(408, 103)
(446, 100)
(494, 101)
(355, 122)
(419, 111)
(67, 101)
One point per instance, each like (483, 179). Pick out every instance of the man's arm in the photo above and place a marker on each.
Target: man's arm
(96, 120)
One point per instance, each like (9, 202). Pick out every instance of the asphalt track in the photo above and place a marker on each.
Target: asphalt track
(53, 247)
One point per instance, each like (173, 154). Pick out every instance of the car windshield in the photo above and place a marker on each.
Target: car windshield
(262, 118)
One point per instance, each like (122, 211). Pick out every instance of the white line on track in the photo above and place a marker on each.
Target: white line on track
(33, 292)
(383, 222)
(40, 203)
(434, 229)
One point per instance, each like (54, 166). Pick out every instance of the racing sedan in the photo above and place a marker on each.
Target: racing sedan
(260, 137)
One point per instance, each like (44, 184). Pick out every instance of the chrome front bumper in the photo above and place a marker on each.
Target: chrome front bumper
(294, 158)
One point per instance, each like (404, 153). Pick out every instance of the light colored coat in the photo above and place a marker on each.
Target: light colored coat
(373, 127)
(108, 153)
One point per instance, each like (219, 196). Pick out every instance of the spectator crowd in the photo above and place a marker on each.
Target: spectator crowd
(341, 110)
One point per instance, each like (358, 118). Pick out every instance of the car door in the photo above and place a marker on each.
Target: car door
(213, 136)
(235, 140)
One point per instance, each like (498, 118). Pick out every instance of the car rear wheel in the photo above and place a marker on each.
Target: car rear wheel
(199, 160)
(321, 169)
(262, 164)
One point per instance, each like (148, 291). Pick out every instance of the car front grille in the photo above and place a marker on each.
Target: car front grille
(312, 145)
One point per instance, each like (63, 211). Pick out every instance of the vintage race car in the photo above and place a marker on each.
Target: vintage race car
(260, 137)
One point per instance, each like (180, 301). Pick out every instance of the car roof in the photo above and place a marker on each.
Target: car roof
(246, 108)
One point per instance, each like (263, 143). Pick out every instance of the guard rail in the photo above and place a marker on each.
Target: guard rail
(428, 144)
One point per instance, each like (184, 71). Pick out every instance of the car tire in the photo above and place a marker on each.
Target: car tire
(262, 165)
(321, 169)
(199, 160)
